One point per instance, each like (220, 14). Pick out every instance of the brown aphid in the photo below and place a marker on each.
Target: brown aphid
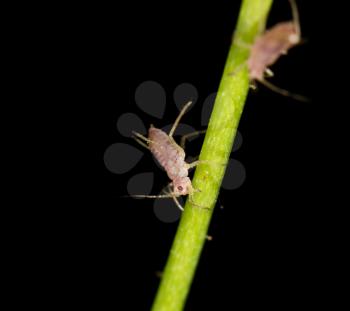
(171, 157)
(268, 47)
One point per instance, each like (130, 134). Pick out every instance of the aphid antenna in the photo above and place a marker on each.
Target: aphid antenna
(295, 14)
(144, 196)
(160, 196)
(139, 137)
(283, 92)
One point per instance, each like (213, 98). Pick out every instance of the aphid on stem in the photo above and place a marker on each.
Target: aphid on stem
(269, 46)
(171, 157)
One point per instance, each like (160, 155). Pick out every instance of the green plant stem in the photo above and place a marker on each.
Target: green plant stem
(224, 120)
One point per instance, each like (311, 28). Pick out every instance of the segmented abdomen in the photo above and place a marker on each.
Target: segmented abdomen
(169, 155)
(269, 47)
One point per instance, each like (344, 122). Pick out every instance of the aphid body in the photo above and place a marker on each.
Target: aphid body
(270, 46)
(172, 157)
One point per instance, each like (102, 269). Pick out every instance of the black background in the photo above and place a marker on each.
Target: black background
(264, 239)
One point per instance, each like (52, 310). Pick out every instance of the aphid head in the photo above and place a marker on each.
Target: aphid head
(182, 186)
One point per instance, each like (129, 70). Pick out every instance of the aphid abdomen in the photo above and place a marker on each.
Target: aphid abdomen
(169, 155)
(269, 47)
(256, 65)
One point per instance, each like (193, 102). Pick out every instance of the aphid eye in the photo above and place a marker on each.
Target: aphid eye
(180, 188)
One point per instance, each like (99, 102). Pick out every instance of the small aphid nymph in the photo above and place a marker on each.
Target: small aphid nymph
(171, 157)
(269, 46)
(273, 43)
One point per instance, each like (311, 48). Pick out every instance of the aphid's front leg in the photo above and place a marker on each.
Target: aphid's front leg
(187, 136)
(177, 203)
(172, 194)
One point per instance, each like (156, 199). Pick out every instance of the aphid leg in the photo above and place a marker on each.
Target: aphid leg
(177, 203)
(268, 73)
(196, 190)
(141, 143)
(174, 197)
(238, 69)
(283, 91)
(195, 163)
(176, 123)
(295, 15)
(199, 162)
(252, 85)
(197, 205)
(187, 136)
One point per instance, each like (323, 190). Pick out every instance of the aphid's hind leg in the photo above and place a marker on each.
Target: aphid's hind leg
(283, 91)
(176, 123)
(187, 136)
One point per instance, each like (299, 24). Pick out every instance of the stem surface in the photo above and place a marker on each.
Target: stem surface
(192, 231)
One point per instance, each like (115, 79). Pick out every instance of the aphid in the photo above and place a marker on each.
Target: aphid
(171, 157)
(268, 47)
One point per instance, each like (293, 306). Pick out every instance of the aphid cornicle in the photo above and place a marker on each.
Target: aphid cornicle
(171, 157)
(269, 46)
